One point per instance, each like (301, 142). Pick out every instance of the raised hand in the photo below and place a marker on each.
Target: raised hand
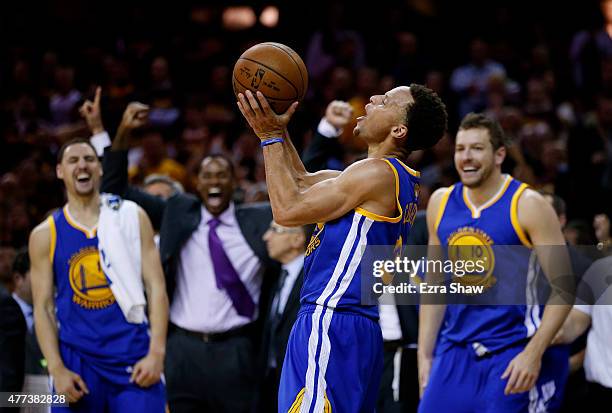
(136, 115)
(260, 116)
(338, 113)
(90, 111)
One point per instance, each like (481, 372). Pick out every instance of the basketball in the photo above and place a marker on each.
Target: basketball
(273, 69)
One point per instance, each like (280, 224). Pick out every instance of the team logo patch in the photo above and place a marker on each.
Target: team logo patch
(114, 202)
(473, 244)
(91, 288)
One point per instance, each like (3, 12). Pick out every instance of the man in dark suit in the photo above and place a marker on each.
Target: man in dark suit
(214, 261)
(12, 344)
(285, 245)
(36, 376)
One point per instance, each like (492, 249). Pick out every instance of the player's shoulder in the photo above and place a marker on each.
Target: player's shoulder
(533, 209)
(371, 168)
(40, 237)
(437, 196)
(42, 228)
(531, 200)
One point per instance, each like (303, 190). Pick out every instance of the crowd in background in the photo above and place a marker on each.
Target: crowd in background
(553, 97)
(548, 81)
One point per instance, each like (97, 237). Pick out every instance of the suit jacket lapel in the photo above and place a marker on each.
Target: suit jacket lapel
(294, 297)
(178, 226)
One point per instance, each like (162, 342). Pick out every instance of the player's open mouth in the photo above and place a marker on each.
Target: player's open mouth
(83, 178)
(214, 196)
(469, 170)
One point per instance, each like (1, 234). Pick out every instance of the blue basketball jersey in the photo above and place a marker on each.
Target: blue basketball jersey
(90, 320)
(494, 224)
(332, 267)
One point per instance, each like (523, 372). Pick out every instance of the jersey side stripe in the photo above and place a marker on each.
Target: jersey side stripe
(53, 238)
(442, 207)
(313, 340)
(329, 310)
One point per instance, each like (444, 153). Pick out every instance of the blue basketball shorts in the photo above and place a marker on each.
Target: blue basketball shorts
(333, 363)
(107, 395)
(461, 382)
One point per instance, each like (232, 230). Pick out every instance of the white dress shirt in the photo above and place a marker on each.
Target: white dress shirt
(100, 141)
(293, 269)
(198, 304)
(598, 357)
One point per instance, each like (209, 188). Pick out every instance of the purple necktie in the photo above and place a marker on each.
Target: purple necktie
(226, 276)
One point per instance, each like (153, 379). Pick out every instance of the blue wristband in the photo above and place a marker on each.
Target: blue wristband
(271, 141)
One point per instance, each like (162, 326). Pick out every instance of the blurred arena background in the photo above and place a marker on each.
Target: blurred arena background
(542, 68)
(546, 77)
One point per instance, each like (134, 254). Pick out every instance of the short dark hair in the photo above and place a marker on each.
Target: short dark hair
(220, 156)
(21, 264)
(75, 141)
(426, 118)
(479, 121)
(160, 178)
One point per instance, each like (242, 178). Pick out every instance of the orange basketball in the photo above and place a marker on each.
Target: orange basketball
(273, 69)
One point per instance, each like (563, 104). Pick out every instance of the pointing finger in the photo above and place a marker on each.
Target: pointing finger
(96, 101)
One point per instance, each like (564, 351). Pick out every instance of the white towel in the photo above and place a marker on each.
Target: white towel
(120, 255)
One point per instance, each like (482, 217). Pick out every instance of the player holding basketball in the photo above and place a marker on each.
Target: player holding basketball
(491, 358)
(334, 354)
(98, 359)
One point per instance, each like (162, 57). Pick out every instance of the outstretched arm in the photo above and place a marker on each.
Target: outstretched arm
(304, 178)
(65, 381)
(91, 112)
(576, 323)
(540, 222)
(275, 126)
(148, 370)
(430, 314)
(324, 145)
(369, 183)
(115, 165)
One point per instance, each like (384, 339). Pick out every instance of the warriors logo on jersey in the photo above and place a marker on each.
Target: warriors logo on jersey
(471, 245)
(90, 286)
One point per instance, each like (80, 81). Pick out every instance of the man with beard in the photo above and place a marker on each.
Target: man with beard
(489, 358)
(214, 261)
(101, 355)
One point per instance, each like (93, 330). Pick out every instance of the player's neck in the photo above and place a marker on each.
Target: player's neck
(84, 209)
(385, 150)
(481, 194)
